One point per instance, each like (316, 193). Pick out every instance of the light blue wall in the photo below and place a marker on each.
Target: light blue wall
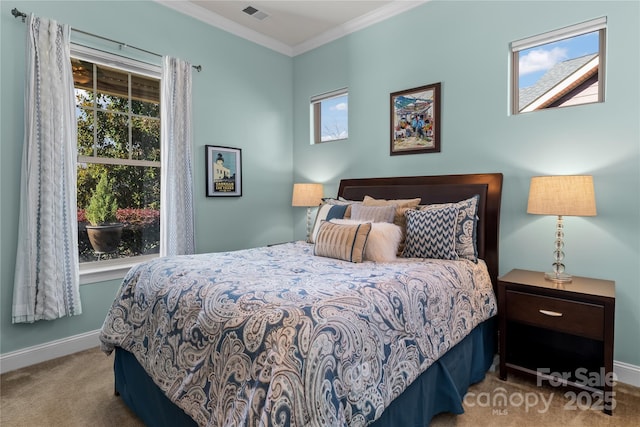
(242, 99)
(245, 98)
(465, 46)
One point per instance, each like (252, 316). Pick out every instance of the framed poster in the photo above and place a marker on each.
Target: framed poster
(224, 171)
(415, 120)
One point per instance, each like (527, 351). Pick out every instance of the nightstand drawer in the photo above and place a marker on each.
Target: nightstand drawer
(572, 317)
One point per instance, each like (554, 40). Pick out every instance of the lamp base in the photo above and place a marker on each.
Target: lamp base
(308, 225)
(558, 277)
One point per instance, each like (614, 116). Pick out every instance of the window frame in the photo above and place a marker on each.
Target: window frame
(99, 271)
(316, 114)
(583, 28)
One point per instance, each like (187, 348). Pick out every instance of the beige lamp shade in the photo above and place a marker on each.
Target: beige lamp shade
(566, 195)
(307, 194)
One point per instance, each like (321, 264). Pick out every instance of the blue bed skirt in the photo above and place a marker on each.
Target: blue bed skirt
(440, 388)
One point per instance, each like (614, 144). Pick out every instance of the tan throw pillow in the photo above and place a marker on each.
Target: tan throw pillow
(342, 241)
(402, 205)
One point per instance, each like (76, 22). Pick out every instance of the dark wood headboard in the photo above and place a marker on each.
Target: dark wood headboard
(442, 189)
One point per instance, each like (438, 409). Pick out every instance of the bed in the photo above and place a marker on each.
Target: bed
(291, 335)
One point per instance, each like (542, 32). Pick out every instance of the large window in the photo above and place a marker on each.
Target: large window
(330, 116)
(118, 117)
(560, 68)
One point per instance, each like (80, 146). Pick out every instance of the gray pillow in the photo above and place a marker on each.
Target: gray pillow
(373, 213)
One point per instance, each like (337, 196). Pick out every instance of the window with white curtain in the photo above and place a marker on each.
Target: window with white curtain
(118, 119)
(330, 116)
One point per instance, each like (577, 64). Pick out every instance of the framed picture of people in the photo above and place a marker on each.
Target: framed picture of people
(224, 171)
(415, 120)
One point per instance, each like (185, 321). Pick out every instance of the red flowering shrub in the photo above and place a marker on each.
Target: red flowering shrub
(138, 216)
(140, 236)
(130, 216)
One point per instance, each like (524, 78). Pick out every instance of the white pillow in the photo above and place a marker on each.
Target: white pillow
(383, 241)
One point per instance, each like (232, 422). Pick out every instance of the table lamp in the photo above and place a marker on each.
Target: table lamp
(568, 195)
(307, 195)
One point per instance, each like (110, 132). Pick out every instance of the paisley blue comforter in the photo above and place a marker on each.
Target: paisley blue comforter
(278, 336)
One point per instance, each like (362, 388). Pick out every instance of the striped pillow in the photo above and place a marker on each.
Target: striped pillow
(342, 241)
(383, 241)
(373, 213)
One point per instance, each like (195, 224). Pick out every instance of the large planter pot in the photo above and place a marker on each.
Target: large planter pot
(105, 238)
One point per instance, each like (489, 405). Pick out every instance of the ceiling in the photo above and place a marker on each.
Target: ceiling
(291, 27)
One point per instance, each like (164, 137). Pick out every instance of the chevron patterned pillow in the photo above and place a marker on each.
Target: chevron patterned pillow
(431, 233)
(466, 238)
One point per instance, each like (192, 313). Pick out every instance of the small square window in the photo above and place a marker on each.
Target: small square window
(560, 68)
(330, 116)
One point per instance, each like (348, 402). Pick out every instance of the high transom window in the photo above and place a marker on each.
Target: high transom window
(561, 68)
(330, 116)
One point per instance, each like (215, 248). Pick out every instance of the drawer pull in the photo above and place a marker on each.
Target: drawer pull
(550, 313)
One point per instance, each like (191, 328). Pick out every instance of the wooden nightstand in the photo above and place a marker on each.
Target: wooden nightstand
(562, 334)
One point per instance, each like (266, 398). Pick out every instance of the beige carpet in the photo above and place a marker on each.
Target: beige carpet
(77, 391)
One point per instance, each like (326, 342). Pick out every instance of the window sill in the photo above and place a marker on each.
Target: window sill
(100, 271)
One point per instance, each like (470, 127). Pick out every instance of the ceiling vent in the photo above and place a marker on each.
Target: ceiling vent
(252, 11)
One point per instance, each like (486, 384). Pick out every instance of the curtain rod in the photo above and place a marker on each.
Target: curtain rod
(17, 14)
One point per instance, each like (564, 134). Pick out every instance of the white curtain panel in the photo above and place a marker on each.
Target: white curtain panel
(176, 198)
(46, 285)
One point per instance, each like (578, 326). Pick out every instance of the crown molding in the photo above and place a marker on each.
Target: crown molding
(187, 8)
(385, 12)
(227, 25)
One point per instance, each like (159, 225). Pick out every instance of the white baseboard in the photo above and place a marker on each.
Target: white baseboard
(47, 351)
(625, 372)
